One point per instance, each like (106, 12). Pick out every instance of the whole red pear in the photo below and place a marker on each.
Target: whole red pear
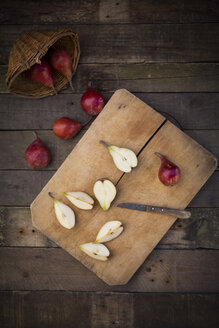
(169, 173)
(61, 62)
(92, 101)
(37, 155)
(66, 128)
(41, 73)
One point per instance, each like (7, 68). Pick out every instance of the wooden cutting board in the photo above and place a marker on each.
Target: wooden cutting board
(127, 122)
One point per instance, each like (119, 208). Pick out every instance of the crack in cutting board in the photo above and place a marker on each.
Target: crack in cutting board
(127, 122)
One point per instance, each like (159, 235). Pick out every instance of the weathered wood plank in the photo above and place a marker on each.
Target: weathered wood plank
(45, 309)
(207, 138)
(112, 310)
(172, 77)
(21, 187)
(14, 143)
(27, 114)
(164, 77)
(122, 310)
(201, 231)
(192, 110)
(131, 43)
(208, 193)
(171, 311)
(54, 269)
(166, 70)
(16, 229)
(103, 11)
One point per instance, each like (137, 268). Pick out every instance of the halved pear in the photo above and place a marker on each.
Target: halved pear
(105, 192)
(97, 251)
(64, 213)
(109, 231)
(124, 159)
(80, 199)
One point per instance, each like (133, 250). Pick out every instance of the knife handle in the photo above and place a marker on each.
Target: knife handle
(169, 211)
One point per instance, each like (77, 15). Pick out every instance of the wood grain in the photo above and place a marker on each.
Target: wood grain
(130, 43)
(14, 143)
(29, 114)
(142, 233)
(175, 310)
(43, 309)
(103, 11)
(16, 229)
(207, 138)
(165, 77)
(142, 236)
(195, 109)
(201, 231)
(124, 118)
(107, 310)
(19, 188)
(112, 310)
(54, 269)
(154, 77)
(192, 110)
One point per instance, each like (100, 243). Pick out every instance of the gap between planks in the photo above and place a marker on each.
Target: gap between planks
(14, 142)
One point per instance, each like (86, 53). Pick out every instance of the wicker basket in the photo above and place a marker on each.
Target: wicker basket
(28, 50)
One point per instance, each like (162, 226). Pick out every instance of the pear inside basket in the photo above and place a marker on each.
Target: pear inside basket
(28, 50)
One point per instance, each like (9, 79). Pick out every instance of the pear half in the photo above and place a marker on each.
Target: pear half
(97, 251)
(105, 192)
(109, 231)
(80, 199)
(64, 213)
(124, 159)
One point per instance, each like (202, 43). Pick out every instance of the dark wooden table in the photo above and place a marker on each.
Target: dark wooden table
(167, 53)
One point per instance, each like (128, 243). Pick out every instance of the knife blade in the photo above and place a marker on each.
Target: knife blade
(181, 214)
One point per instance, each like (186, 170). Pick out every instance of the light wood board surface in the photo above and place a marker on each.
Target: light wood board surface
(126, 122)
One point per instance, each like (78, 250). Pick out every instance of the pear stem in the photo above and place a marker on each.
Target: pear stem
(89, 84)
(104, 143)
(88, 121)
(35, 134)
(51, 195)
(159, 155)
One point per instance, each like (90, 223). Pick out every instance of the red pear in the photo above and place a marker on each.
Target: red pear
(66, 128)
(37, 155)
(41, 73)
(169, 173)
(92, 101)
(61, 62)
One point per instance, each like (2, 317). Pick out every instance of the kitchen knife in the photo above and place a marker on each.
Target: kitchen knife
(157, 209)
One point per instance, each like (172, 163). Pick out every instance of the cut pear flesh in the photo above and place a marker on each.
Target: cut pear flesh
(109, 231)
(124, 159)
(80, 199)
(97, 251)
(105, 192)
(64, 213)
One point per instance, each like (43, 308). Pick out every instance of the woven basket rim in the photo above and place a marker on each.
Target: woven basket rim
(39, 55)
